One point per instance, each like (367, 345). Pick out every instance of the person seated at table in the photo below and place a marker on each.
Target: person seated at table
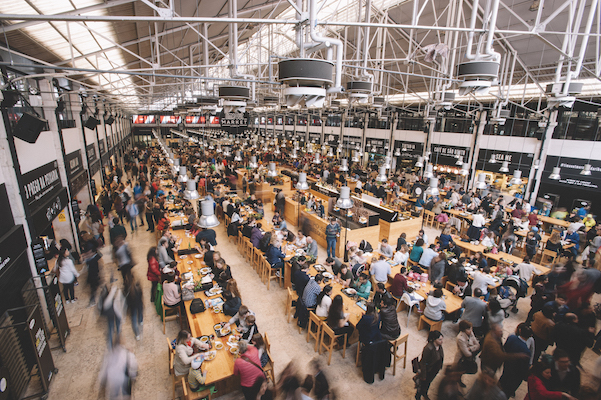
(320, 210)
(402, 255)
(324, 301)
(259, 208)
(248, 226)
(380, 269)
(240, 318)
(232, 303)
(363, 286)
(337, 319)
(288, 236)
(311, 291)
(301, 240)
(386, 249)
(209, 234)
(478, 222)
(463, 288)
(245, 367)
(196, 375)
(525, 270)
(204, 246)
(163, 256)
(210, 257)
(256, 235)
(358, 258)
(571, 236)
(478, 260)
(275, 256)
(300, 277)
(489, 240)
(390, 328)
(402, 240)
(186, 350)
(438, 267)
(453, 248)
(172, 292)
(344, 276)
(399, 283)
(417, 251)
(276, 220)
(445, 238)
(252, 328)
(497, 224)
(380, 295)
(435, 306)
(531, 244)
(311, 249)
(221, 272)
(427, 256)
(334, 263)
(422, 235)
(481, 281)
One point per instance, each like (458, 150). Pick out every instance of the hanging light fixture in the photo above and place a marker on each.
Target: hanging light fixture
(293, 155)
(420, 162)
(330, 153)
(492, 160)
(504, 167)
(428, 173)
(517, 178)
(238, 156)
(309, 148)
(277, 150)
(272, 170)
(433, 188)
(387, 162)
(382, 177)
(354, 158)
(481, 183)
(555, 175)
(253, 162)
(183, 175)
(316, 160)
(536, 164)
(586, 170)
(191, 193)
(459, 161)
(465, 169)
(397, 152)
(208, 218)
(343, 165)
(302, 181)
(226, 152)
(344, 201)
(176, 165)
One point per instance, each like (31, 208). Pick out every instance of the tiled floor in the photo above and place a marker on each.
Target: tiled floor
(79, 366)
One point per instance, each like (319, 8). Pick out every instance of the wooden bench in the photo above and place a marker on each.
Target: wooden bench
(434, 325)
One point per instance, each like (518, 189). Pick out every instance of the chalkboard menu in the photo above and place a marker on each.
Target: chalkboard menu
(39, 256)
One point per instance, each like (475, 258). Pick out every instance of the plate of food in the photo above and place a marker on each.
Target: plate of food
(198, 256)
(217, 310)
(210, 355)
(217, 327)
(218, 345)
(226, 330)
(328, 275)
(204, 339)
(319, 268)
(350, 291)
(190, 262)
(233, 340)
(234, 350)
(183, 257)
(205, 270)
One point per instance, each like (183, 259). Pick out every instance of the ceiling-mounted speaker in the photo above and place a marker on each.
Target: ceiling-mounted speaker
(60, 106)
(109, 120)
(29, 127)
(10, 98)
(91, 123)
(84, 109)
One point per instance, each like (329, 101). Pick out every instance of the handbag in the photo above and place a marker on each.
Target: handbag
(197, 306)
(415, 365)
(469, 365)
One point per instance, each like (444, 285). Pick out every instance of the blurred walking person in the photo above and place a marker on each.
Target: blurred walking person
(118, 373)
(136, 306)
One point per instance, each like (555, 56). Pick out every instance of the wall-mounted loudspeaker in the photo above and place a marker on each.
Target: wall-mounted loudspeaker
(91, 123)
(29, 127)
(10, 98)
(109, 120)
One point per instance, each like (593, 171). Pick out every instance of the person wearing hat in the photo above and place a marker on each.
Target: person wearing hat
(197, 377)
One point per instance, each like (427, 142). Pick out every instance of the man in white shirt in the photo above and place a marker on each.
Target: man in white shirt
(386, 249)
(427, 256)
(380, 270)
(359, 184)
(526, 270)
(455, 197)
(481, 281)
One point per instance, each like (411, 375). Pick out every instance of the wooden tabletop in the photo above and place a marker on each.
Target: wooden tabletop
(554, 221)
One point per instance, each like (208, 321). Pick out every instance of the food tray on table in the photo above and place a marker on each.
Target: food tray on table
(352, 293)
(216, 302)
(220, 329)
(214, 291)
(206, 339)
(319, 268)
(209, 355)
(392, 263)
(205, 270)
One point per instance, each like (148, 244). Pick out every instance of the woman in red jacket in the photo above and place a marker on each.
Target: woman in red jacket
(154, 273)
(538, 382)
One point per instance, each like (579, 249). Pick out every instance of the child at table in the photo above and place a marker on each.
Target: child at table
(252, 328)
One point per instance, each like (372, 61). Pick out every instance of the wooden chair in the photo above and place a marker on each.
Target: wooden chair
(328, 340)
(269, 367)
(314, 328)
(434, 325)
(394, 349)
(227, 220)
(548, 254)
(191, 395)
(175, 382)
(271, 273)
(449, 286)
(443, 280)
(292, 296)
(429, 218)
(170, 314)
(171, 354)
(241, 243)
(256, 258)
(398, 302)
(248, 246)
(358, 359)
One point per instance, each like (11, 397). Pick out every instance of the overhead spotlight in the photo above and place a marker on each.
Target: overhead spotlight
(555, 175)
(517, 178)
(420, 162)
(481, 183)
(586, 170)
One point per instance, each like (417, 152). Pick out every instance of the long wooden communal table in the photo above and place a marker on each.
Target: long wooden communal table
(220, 371)
(548, 222)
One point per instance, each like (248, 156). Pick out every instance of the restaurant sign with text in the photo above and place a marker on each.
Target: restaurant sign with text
(570, 172)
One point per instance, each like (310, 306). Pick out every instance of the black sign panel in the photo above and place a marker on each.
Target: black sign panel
(6, 216)
(233, 119)
(289, 135)
(39, 256)
(447, 155)
(332, 139)
(79, 182)
(409, 150)
(42, 347)
(570, 173)
(315, 136)
(102, 146)
(73, 164)
(94, 168)
(521, 161)
(351, 142)
(12, 245)
(380, 143)
(91, 153)
(41, 184)
(44, 215)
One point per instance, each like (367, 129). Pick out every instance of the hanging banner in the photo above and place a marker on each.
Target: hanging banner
(233, 119)
(73, 164)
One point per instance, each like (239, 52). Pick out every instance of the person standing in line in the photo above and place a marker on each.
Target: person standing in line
(332, 234)
(430, 363)
(67, 274)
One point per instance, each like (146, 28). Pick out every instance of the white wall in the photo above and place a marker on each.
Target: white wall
(72, 140)
(575, 149)
(509, 143)
(34, 155)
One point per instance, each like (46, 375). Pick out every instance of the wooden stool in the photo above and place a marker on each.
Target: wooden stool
(434, 325)
(328, 344)
(395, 346)
(271, 273)
(169, 315)
(171, 353)
(269, 367)
(314, 322)
(292, 296)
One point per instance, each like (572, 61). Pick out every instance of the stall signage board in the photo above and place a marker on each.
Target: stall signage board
(73, 164)
(6, 216)
(102, 146)
(12, 245)
(45, 214)
(39, 256)
(91, 153)
(234, 119)
(75, 210)
(521, 161)
(42, 347)
(380, 143)
(41, 184)
(570, 173)
(409, 149)
(447, 155)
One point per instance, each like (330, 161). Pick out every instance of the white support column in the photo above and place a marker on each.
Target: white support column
(551, 124)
